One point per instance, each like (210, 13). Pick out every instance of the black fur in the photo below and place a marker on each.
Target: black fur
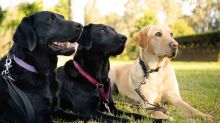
(32, 44)
(77, 93)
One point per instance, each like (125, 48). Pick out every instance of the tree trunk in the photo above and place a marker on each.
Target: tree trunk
(77, 10)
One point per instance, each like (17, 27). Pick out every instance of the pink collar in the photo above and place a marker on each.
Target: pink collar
(104, 95)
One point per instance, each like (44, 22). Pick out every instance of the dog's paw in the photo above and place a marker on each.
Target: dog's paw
(208, 118)
(161, 115)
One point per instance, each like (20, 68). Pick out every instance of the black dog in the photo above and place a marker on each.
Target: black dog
(79, 92)
(31, 62)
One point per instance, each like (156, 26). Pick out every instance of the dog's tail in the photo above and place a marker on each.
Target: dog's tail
(112, 76)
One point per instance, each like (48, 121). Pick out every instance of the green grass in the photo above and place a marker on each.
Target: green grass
(199, 84)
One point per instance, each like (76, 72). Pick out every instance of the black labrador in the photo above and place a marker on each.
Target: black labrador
(80, 93)
(31, 63)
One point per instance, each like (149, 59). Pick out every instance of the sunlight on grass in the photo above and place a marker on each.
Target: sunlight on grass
(196, 65)
(199, 84)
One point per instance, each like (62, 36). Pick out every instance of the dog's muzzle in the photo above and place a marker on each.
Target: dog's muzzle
(174, 48)
(174, 53)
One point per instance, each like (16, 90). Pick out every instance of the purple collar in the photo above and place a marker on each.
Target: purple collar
(22, 63)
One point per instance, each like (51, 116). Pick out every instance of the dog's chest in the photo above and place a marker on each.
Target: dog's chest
(156, 84)
(156, 78)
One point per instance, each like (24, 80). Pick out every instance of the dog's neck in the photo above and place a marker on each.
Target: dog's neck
(151, 60)
(42, 62)
(96, 66)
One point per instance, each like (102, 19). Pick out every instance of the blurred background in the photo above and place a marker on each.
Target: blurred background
(195, 23)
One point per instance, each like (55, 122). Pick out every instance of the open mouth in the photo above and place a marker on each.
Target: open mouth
(63, 48)
(174, 53)
(64, 45)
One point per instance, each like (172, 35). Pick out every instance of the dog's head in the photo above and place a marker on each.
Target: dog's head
(48, 31)
(104, 40)
(157, 40)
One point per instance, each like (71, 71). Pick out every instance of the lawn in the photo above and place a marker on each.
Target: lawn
(199, 84)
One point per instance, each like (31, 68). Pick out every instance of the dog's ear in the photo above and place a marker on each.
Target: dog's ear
(141, 37)
(24, 35)
(85, 40)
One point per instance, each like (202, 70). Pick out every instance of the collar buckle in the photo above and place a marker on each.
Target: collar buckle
(6, 73)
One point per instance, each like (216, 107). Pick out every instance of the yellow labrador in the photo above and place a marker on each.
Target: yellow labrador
(157, 48)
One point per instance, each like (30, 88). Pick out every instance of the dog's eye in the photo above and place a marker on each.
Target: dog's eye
(51, 19)
(171, 34)
(103, 30)
(158, 34)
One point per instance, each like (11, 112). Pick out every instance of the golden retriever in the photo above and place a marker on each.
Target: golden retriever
(157, 48)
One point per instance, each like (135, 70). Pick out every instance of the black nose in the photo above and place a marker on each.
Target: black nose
(123, 38)
(79, 26)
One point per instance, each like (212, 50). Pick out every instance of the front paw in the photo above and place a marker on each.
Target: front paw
(208, 118)
(161, 115)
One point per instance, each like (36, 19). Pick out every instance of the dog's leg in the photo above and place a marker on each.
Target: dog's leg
(176, 100)
(158, 114)
(107, 118)
(116, 111)
(151, 99)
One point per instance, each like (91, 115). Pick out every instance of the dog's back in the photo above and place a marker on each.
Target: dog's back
(119, 76)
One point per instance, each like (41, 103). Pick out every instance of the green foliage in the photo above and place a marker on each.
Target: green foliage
(210, 42)
(62, 8)
(11, 19)
(2, 14)
(181, 28)
(26, 9)
(205, 16)
(199, 86)
(149, 18)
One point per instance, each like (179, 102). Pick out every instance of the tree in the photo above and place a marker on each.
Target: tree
(92, 14)
(133, 10)
(181, 28)
(149, 18)
(206, 16)
(171, 9)
(2, 17)
(63, 7)
(2, 14)
(26, 9)
(11, 20)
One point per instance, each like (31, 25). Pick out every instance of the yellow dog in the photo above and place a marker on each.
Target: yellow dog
(157, 48)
